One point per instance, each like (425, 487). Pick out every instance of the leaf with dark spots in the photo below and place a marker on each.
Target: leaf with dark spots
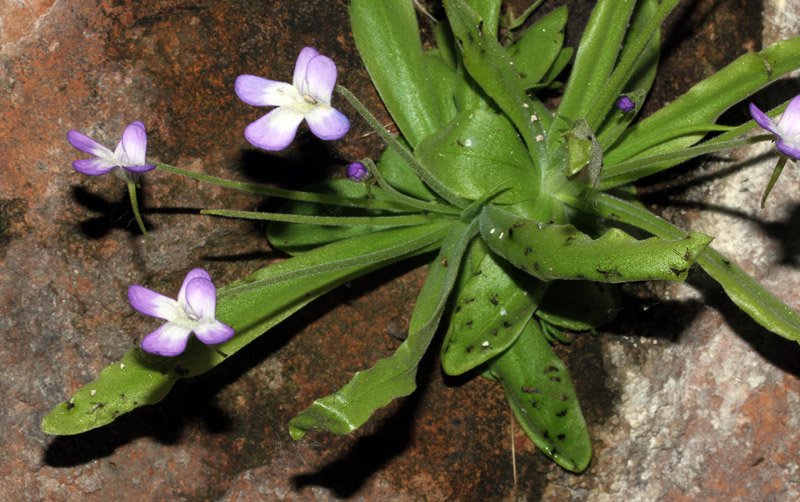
(563, 252)
(512, 299)
(525, 369)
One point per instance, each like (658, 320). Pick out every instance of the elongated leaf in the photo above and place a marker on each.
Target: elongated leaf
(400, 175)
(746, 292)
(550, 252)
(642, 78)
(394, 376)
(490, 65)
(476, 150)
(489, 11)
(706, 101)
(297, 237)
(442, 82)
(594, 61)
(140, 379)
(387, 37)
(489, 313)
(630, 60)
(538, 47)
(579, 305)
(541, 395)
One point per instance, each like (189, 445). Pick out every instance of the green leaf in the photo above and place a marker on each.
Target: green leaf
(594, 62)
(563, 58)
(489, 313)
(441, 81)
(387, 37)
(579, 305)
(489, 11)
(539, 46)
(705, 102)
(401, 176)
(746, 292)
(642, 76)
(541, 395)
(550, 252)
(297, 237)
(637, 48)
(140, 379)
(490, 65)
(394, 376)
(476, 150)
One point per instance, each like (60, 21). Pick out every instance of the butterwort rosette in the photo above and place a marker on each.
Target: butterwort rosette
(193, 312)
(128, 156)
(307, 97)
(786, 129)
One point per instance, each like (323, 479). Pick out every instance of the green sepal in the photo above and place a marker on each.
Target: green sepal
(538, 47)
(395, 376)
(579, 305)
(140, 379)
(387, 37)
(550, 252)
(541, 395)
(476, 150)
(488, 314)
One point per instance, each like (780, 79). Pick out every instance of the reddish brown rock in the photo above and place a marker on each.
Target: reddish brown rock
(683, 402)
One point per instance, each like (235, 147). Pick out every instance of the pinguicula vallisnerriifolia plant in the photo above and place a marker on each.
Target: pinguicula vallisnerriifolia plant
(524, 210)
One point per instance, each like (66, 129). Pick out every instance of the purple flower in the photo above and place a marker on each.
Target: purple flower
(307, 97)
(129, 154)
(625, 104)
(786, 129)
(357, 172)
(193, 311)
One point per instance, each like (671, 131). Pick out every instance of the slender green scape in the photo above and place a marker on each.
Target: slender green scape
(520, 207)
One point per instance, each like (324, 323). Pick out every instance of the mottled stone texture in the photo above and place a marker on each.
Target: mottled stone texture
(684, 401)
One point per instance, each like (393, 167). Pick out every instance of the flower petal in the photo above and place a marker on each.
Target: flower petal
(763, 119)
(275, 130)
(259, 91)
(134, 144)
(306, 55)
(213, 332)
(201, 299)
(788, 148)
(168, 340)
(151, 303)
(86, 144)
(320, 79)
(327, 123)
(193, 274)
(789, 123)
(140, 169)
(93, 167)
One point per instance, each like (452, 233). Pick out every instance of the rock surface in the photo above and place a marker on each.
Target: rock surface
(684, 401)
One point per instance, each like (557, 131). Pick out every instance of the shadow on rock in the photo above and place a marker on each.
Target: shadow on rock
(779, 351)
(370, 454)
